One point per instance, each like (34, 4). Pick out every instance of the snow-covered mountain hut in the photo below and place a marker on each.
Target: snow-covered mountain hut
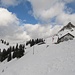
(65, 37)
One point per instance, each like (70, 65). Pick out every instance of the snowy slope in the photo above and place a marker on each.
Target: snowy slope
(55, 59)
(3, 46)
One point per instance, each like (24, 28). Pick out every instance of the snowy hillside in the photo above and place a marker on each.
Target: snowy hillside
(48, 59)
(3, 46)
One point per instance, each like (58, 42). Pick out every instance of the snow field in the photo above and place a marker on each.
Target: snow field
(56, 59)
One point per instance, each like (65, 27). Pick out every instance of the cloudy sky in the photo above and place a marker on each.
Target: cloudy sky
(26, 19)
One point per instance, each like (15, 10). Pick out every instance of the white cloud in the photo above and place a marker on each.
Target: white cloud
(41, 31)
(7, 3)
(45, 10)
(64, 18)
(41, 6)
(8, 22)
(52, 12)
(7, 18)
(9, 26)
(11, 30)
(37, 30)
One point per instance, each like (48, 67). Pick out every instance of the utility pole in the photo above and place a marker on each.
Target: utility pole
(33, 50)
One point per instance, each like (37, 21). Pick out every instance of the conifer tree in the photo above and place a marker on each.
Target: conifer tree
(9, 57)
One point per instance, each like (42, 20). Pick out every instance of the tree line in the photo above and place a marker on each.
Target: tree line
(18, 50)
(12, 52)
(36, 41)
(4, 42)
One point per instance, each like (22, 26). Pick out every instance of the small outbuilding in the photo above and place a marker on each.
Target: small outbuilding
(65, 37)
